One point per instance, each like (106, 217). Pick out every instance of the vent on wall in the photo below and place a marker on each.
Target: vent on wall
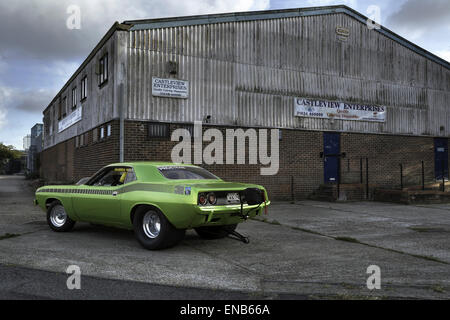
(158, 130)
(172, 67)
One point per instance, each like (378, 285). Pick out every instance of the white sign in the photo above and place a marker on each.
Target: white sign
(70, 120)
(170, 88)
(312, 108)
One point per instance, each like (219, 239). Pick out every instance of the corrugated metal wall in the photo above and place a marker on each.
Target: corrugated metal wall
(96, 109)
(248, 73)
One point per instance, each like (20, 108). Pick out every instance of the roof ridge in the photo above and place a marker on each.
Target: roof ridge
(277, 14)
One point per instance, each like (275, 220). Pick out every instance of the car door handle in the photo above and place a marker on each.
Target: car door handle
(114, 193)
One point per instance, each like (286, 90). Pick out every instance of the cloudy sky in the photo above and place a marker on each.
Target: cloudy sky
(38, 53)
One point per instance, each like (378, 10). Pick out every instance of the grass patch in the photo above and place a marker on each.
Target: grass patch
(438, 289)
(308, 231)
(8, 235)
(426, 229)
(428, 258)
(347, 239)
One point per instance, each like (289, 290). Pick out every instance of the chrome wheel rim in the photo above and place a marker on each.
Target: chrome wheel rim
(151, 224)
(58, 216)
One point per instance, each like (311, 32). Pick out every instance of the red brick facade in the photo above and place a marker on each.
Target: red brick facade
(300, 162)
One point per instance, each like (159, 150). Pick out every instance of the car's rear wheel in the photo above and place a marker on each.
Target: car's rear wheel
(57, 218)
(215, 232)
(154, 231)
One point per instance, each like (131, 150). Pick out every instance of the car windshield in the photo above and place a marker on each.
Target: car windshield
(178, 172)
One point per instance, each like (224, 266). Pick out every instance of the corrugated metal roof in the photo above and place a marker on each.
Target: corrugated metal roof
(276, 14)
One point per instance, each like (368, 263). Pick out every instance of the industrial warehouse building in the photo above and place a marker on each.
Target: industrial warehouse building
(351, 103)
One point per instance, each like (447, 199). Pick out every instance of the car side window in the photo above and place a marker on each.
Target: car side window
(130, 177)
(114, 176)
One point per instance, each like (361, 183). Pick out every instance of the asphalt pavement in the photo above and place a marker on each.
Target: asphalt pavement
(305, 250)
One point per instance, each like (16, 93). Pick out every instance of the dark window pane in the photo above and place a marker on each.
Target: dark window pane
(179, 172)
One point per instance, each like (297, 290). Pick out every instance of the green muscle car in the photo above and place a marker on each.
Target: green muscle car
(158, 200)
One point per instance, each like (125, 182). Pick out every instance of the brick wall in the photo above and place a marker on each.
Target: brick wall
(299, 158)
(385, 154)
(70, 161)
(94, 155)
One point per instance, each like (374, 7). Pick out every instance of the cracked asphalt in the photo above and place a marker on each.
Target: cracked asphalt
(306, 250)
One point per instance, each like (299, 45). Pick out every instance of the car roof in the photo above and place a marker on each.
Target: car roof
(149, 163)
(148, 170)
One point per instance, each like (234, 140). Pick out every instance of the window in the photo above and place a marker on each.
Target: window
(47, 123)
(131, 176)
(180, 172)
(74, 98)
(103, 70)
(60, 109)
(77, 141)
(83, 90)
(64, 107)
(112, 176)
(102, 133)
(95, 135)
(82, 140)
(108, 130)
(158, 130)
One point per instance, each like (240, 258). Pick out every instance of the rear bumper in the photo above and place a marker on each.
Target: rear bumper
(224, 215)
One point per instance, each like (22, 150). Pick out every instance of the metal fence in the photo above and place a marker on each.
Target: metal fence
(407, 174)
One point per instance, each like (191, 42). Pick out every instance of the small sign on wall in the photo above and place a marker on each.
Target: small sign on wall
(70, 120)
(171, 88)
(314, 108)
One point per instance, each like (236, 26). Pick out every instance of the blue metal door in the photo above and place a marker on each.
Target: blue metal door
(331, 153)
(441, 158)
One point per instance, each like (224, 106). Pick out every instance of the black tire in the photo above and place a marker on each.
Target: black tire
(61, 223)
(216, 232)
(167, 236)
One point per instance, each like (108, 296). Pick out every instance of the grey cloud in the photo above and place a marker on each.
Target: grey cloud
(37, 29)
(419, 16)
(32, 100)
(28, 100)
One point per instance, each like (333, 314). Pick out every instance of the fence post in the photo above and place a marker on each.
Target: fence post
(423, 176)
(401, 176)
(367, 178)
(443, 177)
(361, 169)
(292, 188)
(339, 178)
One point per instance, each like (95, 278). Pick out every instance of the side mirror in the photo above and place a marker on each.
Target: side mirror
(82, 181)
(254, 196)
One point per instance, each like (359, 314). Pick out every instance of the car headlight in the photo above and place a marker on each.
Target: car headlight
(212, 198)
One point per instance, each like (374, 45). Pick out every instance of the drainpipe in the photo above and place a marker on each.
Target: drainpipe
(121, 124)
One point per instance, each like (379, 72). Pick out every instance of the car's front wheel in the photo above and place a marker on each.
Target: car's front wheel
(215, 232)
(57, 218)
(154, 231)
